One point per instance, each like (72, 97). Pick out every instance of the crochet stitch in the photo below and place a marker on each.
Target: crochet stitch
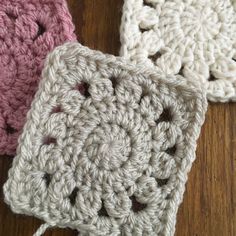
(29, 30)
(107, 146)
(196, 38)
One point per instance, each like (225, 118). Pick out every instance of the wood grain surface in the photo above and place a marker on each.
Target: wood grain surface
(209, 202)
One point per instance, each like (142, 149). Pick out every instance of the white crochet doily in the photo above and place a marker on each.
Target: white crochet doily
(107, 146)
(196, 38)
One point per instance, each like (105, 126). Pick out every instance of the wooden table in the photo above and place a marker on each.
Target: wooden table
(209, 206)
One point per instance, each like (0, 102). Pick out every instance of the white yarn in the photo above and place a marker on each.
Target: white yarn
(196, 38)
(42, 229)
(107, 146)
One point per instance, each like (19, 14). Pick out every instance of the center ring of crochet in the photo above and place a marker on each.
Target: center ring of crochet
(195, 24)
(200, 22)
(115, 150)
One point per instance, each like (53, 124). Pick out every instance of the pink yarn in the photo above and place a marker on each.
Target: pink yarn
(29, 30)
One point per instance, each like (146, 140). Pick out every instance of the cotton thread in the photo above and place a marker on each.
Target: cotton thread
(195, 38)
(107, 146)
(29, 31)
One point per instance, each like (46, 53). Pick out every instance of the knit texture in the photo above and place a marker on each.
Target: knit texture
(196, 38)
(107, 146)
(29, 30)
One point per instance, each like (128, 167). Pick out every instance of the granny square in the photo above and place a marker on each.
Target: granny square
(29, 30)
(107, 146)
(195, 38)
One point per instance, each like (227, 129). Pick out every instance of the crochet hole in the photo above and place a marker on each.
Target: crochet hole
(212, 78)
(83, 89)
(10, 129)
(49, 140)
(56, 110)
(137, 206)
(142, 30)
(47, 179)
(114, 81)
(181, 71)
(165, 116)
(155, 56)
(148, 4)
(103, 211)
(162, 182)
(11, 16)
(41, 30)
(171, 151)
(73, 196)
(144, 93)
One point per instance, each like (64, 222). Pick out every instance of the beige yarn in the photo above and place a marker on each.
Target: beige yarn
(196, 38)
(107, 146)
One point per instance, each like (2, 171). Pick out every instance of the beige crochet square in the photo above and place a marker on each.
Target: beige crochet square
(196, 38)
(107, 146)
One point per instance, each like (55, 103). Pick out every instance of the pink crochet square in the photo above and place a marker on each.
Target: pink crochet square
(29, 30)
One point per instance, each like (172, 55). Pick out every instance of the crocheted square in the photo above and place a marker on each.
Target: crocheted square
(196, 38)
(107, 146)
(29, 30)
